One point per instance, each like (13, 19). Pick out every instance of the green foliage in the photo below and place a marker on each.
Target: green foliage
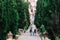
(46, 14)
(13, 15)
(22, 8)
(9, 17)
(57, 38)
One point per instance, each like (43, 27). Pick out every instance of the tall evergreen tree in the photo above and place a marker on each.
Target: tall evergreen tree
(22, 8)
(13, 14)
(45, 14)
(9, 15)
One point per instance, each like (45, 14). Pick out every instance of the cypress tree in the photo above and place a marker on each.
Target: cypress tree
(46, 14)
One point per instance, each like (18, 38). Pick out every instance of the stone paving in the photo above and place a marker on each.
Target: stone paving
(27, 36)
